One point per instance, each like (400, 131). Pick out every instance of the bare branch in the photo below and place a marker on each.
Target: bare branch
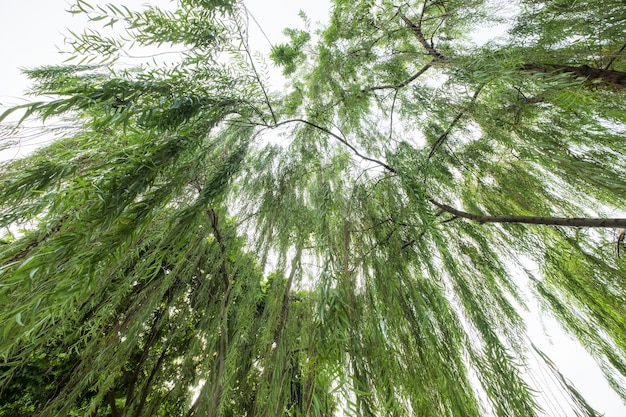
(246, 46)
(546, 221)
(339, 138)
(393, 105)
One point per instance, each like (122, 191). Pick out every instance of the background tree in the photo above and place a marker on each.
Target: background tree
(175, 258)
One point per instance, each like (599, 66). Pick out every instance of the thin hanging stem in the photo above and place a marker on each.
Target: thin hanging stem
(339, 138)
(441, 139)
(246, 47)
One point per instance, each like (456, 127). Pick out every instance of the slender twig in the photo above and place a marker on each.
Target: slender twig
(407, 81)
(441, 139)
(249, 13)
(128, 55)
(256, 73)
(339, 138)
(614, 57)
(393, 105)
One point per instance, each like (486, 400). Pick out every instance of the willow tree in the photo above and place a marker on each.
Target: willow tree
(362, 242)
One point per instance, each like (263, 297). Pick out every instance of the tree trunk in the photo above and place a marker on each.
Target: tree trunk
(615, 78)
(547, 221)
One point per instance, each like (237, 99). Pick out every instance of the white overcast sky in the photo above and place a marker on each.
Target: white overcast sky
(32, 31)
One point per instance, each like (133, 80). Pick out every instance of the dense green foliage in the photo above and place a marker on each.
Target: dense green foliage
(195, 244)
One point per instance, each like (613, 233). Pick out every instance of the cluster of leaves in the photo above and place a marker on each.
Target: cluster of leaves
(290, 55)
(175, 259)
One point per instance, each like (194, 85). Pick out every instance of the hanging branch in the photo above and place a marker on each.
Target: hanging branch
(339, 138)
(441, 139)
(146, 388)
(220, 242)
(246, 47)
(287, 296)
(150, 340)
(546, 221)
(220, 362)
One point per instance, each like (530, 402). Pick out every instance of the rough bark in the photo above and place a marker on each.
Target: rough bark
(606, 76)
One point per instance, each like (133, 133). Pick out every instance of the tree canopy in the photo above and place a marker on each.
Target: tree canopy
(364, 241)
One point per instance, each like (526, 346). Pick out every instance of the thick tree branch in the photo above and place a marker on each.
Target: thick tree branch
(605, 76)
(417, 29)
(36, 242)
(546, 221)
(111, 398)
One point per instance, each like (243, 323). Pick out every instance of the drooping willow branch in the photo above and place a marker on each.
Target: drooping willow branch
(219, 366)
(481, 219)
(546, 221)
(441, 139)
